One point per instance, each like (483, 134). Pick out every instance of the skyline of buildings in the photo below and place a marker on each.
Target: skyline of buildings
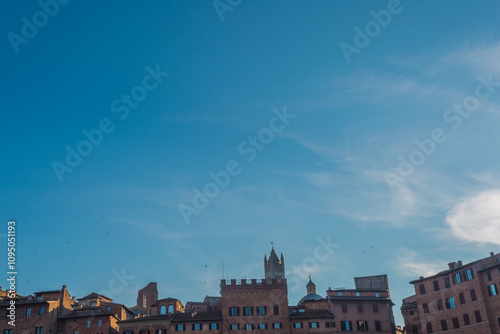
(464, 298)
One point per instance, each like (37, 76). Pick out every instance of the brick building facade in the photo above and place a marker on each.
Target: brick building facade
(462, 299)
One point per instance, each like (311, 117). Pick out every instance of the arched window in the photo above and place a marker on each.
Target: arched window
(170, 309)
(163, 309)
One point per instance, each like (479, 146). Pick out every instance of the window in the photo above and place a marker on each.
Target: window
(163, 309)
(235, 327)
(180, 328)
(88, 323)
(339, 294)
(99, 323)
(261, 310)
(248, 310)
(234, 311)
(470, 274)
(444, 325)
(478, 316)
(377, 294)
(170, 309)
(457, 278)
(196, 327)
(126, 332)
(473, 294)
(262, 326)
(378, 326)
(360, 308)
(461, 298)
(248, 327)
(492, 290)
(214, 326)
(297, 325)
(42, 310)
(28, 311)
(277, 325)
(344, 308)
(447, 282)
(450, 303)
(109, 308)
(488, 274)
(436, 285)
(313, 324)
(357, 294)
(362, 325)
(456, 325)
(429, 328)
(38, 330)
(466, 320)
(498, 322)
(276, 310)
(375, 308)
(346, 326)
(414, 329)
(161, 331)
(422, 289)
(426, 308)
(330, 324)
(440, 305)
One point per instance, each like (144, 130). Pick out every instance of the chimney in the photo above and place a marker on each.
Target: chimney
(451, 265)
(459, 263)
(492, 254)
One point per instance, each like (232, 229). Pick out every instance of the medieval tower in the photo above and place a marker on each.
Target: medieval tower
(274, 267)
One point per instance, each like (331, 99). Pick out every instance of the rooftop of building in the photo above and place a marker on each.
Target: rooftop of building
(85, 313)
(486, 263)
(95, 295)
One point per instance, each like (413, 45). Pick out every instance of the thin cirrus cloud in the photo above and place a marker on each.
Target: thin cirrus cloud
(413, 264)
(477, 218)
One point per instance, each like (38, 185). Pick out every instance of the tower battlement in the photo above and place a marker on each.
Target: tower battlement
(253, 282)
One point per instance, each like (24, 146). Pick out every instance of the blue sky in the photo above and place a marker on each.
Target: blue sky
(320, 174)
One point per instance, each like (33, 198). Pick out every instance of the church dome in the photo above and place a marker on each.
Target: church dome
(310, 296)
(311, 292)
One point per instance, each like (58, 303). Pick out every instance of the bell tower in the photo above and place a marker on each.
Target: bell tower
(274, 267)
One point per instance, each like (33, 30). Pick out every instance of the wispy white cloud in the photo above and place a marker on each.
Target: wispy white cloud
(477, 218)
(478, 57)
(413, 264)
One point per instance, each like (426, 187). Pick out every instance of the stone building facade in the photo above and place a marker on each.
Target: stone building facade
(464, 298)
